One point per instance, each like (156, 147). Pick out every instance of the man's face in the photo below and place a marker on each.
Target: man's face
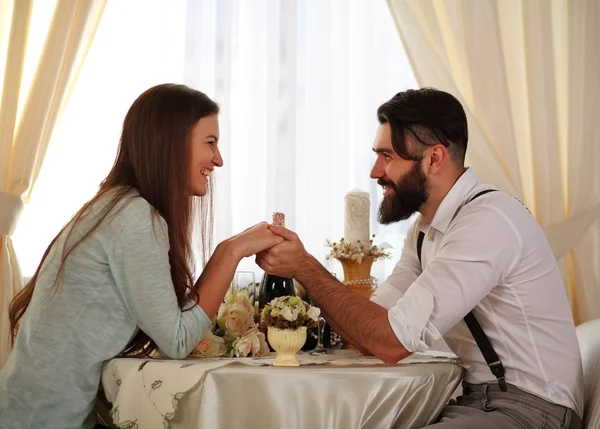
(405, 187)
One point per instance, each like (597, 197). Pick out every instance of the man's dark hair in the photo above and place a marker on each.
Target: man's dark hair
(431, 117)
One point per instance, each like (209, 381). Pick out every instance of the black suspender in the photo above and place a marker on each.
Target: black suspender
(487, 350)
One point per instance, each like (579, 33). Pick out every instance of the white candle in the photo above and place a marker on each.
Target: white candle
(356, 226)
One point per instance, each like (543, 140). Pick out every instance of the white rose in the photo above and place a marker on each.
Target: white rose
(289, 315)
(242, 347)
(252, 336)
(210, 346)
(235, 319)
(244, 299)
(314, 313)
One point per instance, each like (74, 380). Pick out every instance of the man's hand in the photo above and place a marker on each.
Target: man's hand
(254, 240)
(284, 259)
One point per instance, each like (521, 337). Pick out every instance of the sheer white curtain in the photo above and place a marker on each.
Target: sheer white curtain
(42, 46)
(527, 73)
(138, 44)
(298, 82)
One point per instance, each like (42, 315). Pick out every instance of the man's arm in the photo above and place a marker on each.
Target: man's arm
(479, 251)
(340, 331)
(387, 294)
(364, 322)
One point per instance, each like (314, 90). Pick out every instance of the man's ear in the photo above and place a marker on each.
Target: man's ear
(438, 156)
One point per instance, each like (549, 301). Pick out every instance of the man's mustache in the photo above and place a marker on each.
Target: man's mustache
(388, 184)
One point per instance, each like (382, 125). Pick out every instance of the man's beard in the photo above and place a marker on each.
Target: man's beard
(410, 193)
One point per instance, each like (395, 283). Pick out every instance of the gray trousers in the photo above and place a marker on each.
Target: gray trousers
(486, 406)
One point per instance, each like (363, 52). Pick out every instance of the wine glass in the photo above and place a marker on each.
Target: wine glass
(320, 349)
(243, 281)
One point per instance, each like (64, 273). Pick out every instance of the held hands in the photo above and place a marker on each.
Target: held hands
(285, 259)
(254, 240)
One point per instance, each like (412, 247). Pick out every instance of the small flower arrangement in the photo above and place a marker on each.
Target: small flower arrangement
(289, 312)
(234, 331)
(357, 250)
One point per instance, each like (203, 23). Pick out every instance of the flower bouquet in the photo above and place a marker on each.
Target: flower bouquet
(356, 258)
(234, 331)
(286, 319)
(357, 250)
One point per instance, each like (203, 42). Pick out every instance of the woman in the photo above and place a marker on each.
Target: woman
(118, 279)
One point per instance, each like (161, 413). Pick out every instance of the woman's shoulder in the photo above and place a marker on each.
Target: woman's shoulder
(133, 208)
(129, 211)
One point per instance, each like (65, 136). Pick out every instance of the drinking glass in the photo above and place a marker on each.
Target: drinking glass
(320, 349)
(243, 281)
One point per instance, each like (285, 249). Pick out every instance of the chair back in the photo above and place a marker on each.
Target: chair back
(588, 335)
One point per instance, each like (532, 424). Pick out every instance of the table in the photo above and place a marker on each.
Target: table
(340, 390)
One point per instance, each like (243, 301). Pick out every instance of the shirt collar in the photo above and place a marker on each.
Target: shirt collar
(453, 200)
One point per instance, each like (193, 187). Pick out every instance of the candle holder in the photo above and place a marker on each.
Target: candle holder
(357, 278)
(357, 258)
(357, 275)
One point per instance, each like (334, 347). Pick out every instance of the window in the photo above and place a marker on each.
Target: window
(299, 83)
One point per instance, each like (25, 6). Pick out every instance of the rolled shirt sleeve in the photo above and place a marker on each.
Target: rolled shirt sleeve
(405, 273)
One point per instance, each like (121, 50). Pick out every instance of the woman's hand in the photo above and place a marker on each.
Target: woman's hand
(218, 273)
(254, 240)
(287, 259)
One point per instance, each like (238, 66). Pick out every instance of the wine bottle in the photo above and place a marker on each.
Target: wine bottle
(272, 286)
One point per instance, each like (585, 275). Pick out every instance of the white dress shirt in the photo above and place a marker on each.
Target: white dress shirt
(493, 258)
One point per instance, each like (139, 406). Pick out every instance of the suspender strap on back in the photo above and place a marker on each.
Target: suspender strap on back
(487, 350)
(483, 342)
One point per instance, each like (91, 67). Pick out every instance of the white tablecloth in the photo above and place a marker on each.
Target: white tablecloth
(343, 390)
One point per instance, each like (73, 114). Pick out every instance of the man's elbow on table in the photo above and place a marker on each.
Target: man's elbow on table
(385, 344)
(391, 354)
(394, 357)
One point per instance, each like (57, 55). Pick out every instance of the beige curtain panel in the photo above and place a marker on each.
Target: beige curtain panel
(527, 73)
(29, 114)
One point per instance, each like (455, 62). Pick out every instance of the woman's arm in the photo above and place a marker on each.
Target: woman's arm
(138, 258)
(216, 277)
(218, 273)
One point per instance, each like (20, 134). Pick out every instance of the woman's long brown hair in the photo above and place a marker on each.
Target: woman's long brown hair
(152, 159)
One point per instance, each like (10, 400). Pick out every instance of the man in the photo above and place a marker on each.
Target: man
(473, 253)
